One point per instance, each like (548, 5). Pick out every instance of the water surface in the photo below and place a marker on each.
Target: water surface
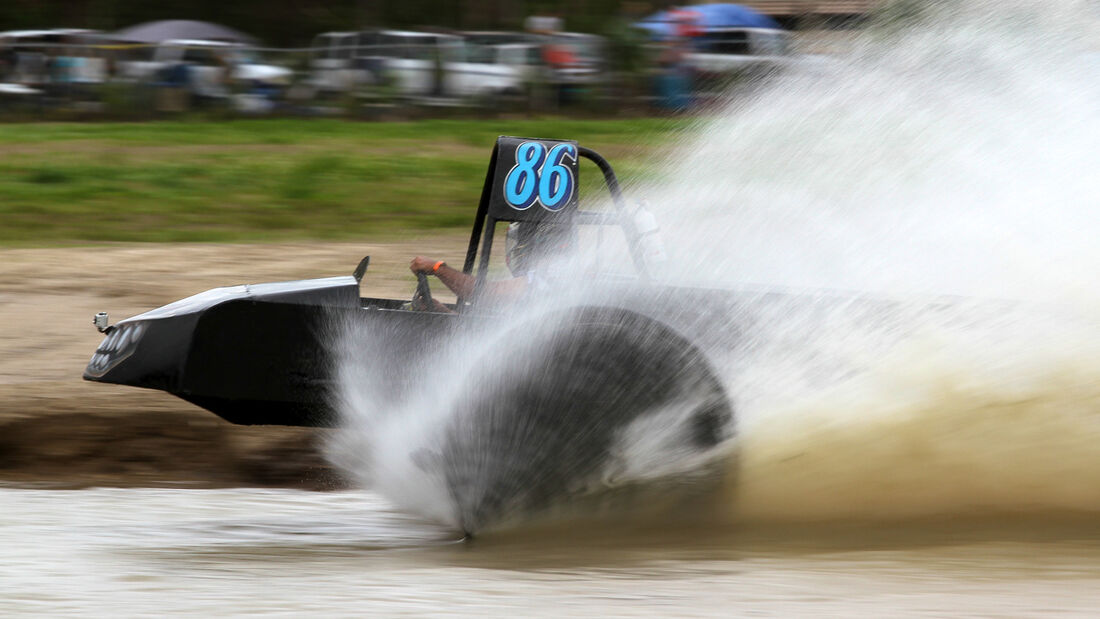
(141, 552)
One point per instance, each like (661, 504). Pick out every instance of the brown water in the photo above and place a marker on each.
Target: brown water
(143, 552)
(932, 485)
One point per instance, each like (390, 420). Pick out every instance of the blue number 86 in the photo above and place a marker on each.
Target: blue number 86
(540, 176)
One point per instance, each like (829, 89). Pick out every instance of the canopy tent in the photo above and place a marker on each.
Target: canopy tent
(705, 17)
(157, 31)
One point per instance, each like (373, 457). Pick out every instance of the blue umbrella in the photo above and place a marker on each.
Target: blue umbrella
(708, 17)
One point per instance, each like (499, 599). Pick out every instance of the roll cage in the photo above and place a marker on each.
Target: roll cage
(495, 206)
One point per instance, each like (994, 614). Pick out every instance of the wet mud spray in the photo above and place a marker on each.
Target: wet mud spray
(931, 202)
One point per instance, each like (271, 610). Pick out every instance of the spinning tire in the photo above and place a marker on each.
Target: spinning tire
(542, 428)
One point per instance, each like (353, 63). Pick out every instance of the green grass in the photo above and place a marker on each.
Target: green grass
(256, 180)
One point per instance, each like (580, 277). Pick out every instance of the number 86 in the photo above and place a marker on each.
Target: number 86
(550, 183)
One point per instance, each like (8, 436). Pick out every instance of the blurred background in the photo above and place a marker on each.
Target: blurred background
(252, 102)
(99, 59)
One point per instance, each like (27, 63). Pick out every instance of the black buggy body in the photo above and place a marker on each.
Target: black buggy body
(261, 354)
(251, 353)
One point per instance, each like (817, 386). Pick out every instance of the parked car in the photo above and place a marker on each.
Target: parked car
(726, 51)
(417, 64)
(524, 58)
(517, 50)
(209, 66)
(34, 58)
(333, 66)
(496, 37)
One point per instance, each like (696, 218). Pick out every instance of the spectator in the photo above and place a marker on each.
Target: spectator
(673, 78)
(673, 71)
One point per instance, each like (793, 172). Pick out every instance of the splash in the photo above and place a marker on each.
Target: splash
(933, 431)
(950, 156)
(910, 235)
(541, 414)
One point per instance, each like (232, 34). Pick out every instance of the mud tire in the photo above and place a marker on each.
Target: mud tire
(530, 437)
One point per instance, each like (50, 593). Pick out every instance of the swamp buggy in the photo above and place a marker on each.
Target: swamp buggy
(260, 354)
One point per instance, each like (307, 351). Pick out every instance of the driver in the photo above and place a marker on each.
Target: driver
(529, 251)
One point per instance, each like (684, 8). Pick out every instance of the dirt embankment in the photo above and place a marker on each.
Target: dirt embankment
(57, 430)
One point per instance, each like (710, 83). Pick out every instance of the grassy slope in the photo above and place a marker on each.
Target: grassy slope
(256, 180)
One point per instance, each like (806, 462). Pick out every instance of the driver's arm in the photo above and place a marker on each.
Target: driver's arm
(461, 283)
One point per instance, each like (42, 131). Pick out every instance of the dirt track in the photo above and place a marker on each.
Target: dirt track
(60, 431)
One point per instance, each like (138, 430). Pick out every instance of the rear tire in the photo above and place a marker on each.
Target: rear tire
(540, 428)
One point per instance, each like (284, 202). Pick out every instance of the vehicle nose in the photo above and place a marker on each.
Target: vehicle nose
(119, 344)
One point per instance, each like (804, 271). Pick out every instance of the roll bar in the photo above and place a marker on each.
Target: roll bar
(485, 224)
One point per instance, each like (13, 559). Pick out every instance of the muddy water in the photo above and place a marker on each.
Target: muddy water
(142, 552)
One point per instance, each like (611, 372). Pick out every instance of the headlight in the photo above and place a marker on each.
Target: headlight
(119, 344)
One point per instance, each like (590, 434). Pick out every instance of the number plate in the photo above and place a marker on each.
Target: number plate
(534, 179)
